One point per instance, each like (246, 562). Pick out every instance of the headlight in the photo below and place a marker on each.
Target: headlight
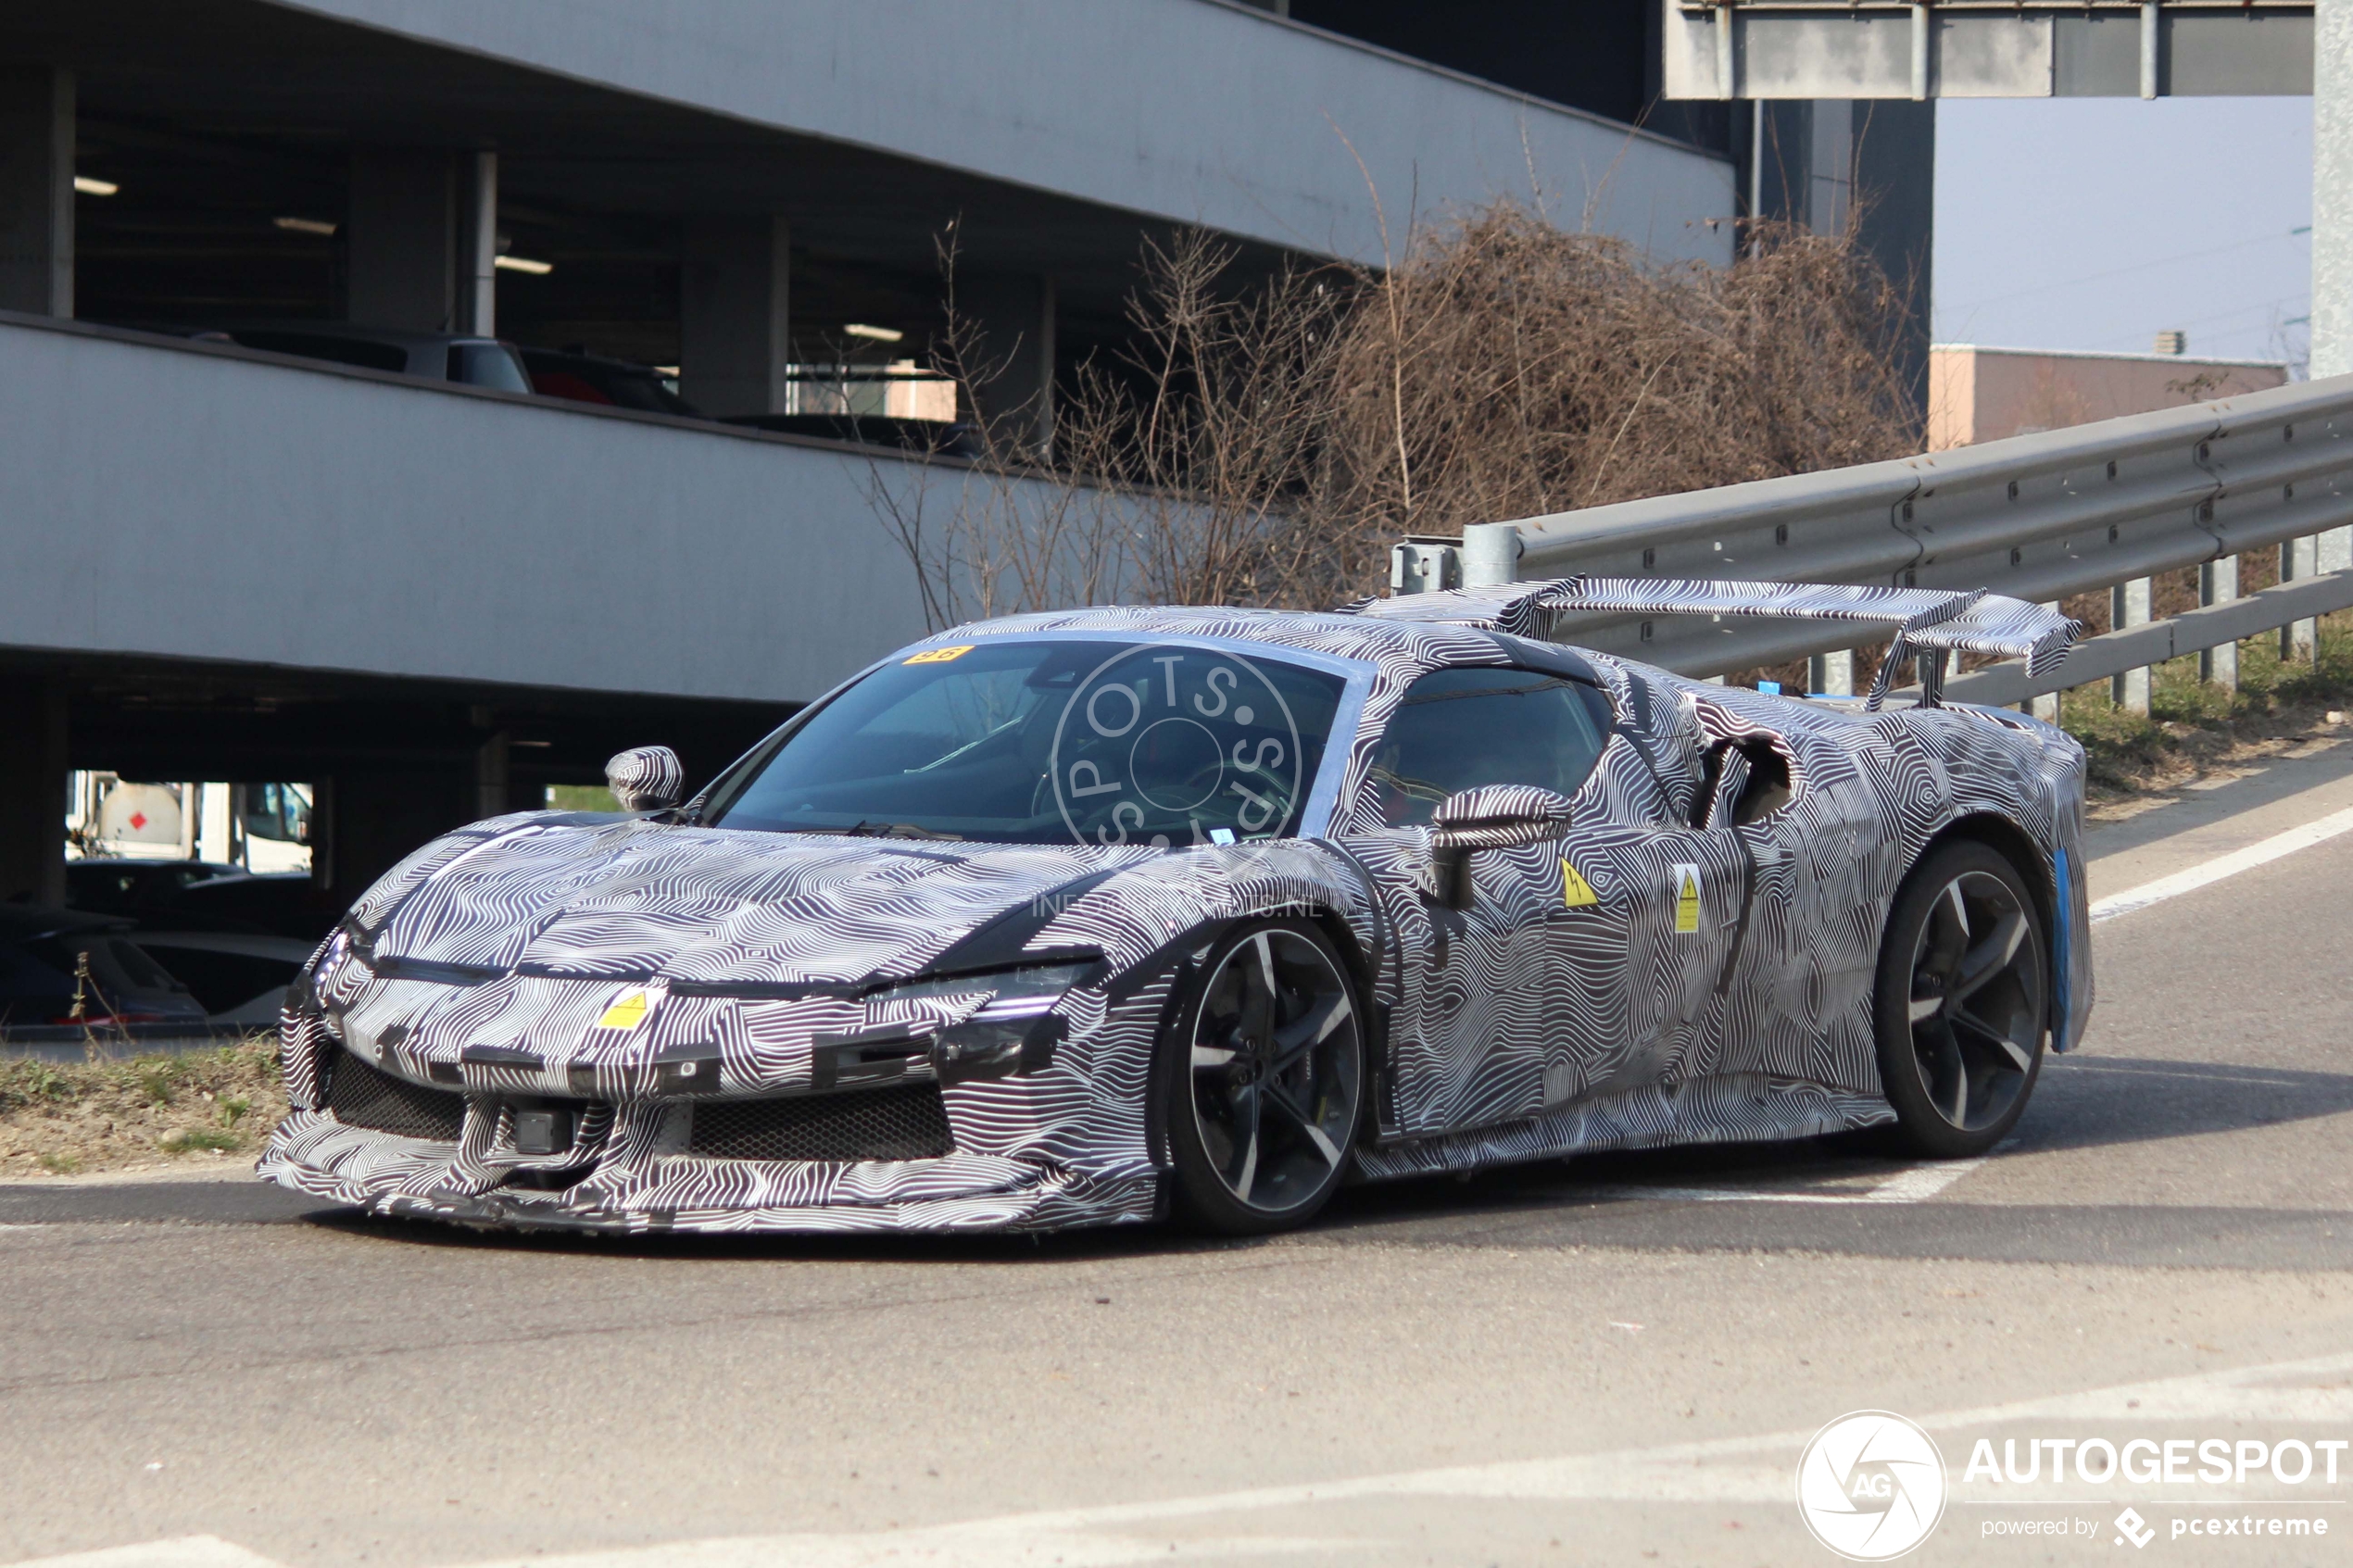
(1014, 1030)
(330, 959)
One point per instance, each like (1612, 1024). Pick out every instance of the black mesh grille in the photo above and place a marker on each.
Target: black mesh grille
(906, 1122)
(361, 1097)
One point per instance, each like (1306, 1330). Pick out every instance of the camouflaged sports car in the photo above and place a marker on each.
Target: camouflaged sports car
(1081, 918)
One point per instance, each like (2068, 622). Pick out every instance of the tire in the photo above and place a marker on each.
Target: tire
(1962, 1008)
(1263, 1081)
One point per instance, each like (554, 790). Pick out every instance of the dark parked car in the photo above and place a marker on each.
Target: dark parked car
(40, 949)
(582, 376)
(137, 887)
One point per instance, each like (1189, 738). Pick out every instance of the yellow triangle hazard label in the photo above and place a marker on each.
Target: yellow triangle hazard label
(1686, 899)
(626, 1012)
(1575, 892)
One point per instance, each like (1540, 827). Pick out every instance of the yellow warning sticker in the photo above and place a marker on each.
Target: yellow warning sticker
(1686, 899)
(1575, 892)
(627, 1011)
(938, 655)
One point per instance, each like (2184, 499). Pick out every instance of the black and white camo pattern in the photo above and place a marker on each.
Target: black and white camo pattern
(1714, 986)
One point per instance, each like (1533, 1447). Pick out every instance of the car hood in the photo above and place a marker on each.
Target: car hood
(699, 905)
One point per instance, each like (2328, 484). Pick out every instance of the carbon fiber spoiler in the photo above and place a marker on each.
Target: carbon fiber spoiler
(1923, 620)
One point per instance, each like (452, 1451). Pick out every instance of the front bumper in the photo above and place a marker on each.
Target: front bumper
(631, 1193)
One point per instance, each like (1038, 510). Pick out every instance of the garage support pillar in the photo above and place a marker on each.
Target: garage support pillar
(33, 774)
(36, 189)
(404, 239)
(1013, 324)
(735, 315)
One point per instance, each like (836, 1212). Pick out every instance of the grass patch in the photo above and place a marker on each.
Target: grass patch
(2196, 727)
(60, 1118)
(581, 797)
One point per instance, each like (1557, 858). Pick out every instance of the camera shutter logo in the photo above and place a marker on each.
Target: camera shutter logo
(1167, 743)
(1871, 1486)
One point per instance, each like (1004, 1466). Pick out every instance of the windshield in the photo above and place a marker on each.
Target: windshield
(1018, 742)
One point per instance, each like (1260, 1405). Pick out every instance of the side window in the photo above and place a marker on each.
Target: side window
(1458, 729)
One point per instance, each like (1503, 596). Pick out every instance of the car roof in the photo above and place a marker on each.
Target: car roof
(26, 923)
(1333, 636)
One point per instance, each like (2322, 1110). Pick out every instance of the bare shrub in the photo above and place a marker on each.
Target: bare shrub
(1523, 369)
(1263, 442)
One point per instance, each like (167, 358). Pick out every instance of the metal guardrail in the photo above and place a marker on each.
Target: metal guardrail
(2035, 517)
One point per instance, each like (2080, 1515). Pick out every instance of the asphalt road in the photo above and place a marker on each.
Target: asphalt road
(1615, 1360)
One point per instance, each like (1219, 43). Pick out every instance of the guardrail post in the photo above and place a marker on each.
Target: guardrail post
(2218, 583)
(1830, 675)
(2299, 558)
(1490, 553)
(2128, 605)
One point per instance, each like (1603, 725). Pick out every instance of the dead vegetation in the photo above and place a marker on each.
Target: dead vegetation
(65, 1118)
(1263, 441)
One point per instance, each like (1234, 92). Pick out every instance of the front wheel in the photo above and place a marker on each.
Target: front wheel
(1962, 1002)
(1263, 1081)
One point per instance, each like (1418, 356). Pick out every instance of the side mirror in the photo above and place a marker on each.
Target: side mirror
(647, 778)
(1490, 817)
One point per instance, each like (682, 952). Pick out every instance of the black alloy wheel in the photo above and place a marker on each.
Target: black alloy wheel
(1263, 1081)
(1963, 1002)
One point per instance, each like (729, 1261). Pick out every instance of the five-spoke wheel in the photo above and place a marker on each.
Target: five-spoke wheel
(1963, 1001)
(1264, 1080)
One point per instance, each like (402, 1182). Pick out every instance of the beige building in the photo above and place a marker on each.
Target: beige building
(1984, 394)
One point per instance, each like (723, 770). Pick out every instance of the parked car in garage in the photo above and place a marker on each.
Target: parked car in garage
(579, 376)
(39, 950)
(238, 977)
(454, 356)
(113, 886)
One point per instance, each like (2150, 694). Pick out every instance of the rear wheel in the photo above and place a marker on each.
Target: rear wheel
(1962, 1002)
(1263, 1081)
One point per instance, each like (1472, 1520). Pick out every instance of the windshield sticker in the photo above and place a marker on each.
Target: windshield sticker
(940, 656)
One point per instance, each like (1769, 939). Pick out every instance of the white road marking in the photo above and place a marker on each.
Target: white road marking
(2238, 861)
(1917, 1184)
(181, 1551)
(1757, 1468)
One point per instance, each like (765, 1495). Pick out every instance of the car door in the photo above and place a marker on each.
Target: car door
(1495, 997)
(1687, 875)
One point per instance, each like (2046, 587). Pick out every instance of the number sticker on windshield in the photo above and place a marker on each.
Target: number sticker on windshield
(938, 655)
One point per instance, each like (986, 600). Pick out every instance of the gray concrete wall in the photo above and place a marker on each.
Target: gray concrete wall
(202, 503)
(1183, 110)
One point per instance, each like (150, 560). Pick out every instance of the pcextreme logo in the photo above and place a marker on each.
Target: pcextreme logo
(1871, 1486)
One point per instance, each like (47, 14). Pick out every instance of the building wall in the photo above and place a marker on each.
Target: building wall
(1985, 393)
(1216, 114)
(202, 504)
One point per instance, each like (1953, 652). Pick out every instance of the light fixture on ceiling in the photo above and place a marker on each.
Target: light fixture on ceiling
(880, 335)
(304, 225)
(89, 187)
(523, 264)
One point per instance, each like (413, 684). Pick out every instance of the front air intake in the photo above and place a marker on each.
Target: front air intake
(362, 1096)
(905, 1121)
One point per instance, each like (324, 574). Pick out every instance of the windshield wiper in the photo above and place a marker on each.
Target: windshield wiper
(863, 829)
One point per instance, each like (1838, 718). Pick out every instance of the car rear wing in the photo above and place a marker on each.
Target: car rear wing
(1924, 620)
